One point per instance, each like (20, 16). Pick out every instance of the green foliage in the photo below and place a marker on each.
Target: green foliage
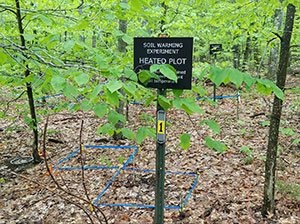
(290, 190)
(143, 132)
(185, 141)
(212, 125)
(217, 145)
(61, 61)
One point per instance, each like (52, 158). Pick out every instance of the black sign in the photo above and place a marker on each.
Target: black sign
(175, 51)
(215, 48)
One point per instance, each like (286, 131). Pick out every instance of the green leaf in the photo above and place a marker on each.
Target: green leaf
(127, 39)
(107, 129)
(296, 141)
(236, 77)
(114, 85)
(177, 92)
(212, 125)
(100, 109)
(28, 37)
(58, 83)
(3, 57)
(212, 144)
(81, 25)
(68, 45)
(45, 20)
(177, 103)
(144, 76)
(95, 92)
(142, 133)
(82, 79)
(278, 92)
(70, 92)
(249, 80)
(114, 117)
(185, 141)
(124, 5)
(130, 74)
(190, 106)
(127, 133)
(101, 61)
(209, 142)
(169, 72)
(86, 105)
(149, 100)
(217, 76)
(112, 98)
(261, 88)
(2, 180)
(220, 147)
(154, 67)
(164, 102)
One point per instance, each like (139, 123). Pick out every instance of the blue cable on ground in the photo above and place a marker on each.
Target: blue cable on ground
(198, 175)
(91, 146)
(124, 168)
(217, 97)
(66, 158)
(152, 206)
(130, 158)
(88, 168)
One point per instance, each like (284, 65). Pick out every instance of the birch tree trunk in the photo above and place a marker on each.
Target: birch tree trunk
(270, 166)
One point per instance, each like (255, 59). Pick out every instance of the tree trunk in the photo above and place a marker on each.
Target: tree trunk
(236, 56)
(274, 52)
(121, 48)
(246, 54)
(34, 126)
(270, 167)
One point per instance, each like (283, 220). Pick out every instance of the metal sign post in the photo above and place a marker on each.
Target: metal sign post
(213, 50)
(177, 52)
(160, 161)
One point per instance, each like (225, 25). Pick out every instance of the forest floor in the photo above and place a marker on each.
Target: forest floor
(229, 188)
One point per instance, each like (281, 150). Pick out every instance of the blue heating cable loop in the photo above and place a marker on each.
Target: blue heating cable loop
(124, 168)
(217, 97)
(130, 158)
(88, 168)
(66, 158)
(152, 206)
(92, 146)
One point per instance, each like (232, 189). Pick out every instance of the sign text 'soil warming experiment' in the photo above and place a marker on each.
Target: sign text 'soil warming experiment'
(176, 51)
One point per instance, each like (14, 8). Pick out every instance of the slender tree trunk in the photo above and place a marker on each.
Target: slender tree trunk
(246, 54)
(274, 52)
(270, 167)
(236, 56)
(35, 152)
(121, 48)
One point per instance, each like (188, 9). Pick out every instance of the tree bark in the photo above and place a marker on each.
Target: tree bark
(121, 48)
(274, 52)
(270, 166)
(35, 144)
(246, 54)
(236, 56)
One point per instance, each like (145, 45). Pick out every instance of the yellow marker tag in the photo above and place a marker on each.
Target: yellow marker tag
(82, 148)
(92, 208)
(161, 127)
